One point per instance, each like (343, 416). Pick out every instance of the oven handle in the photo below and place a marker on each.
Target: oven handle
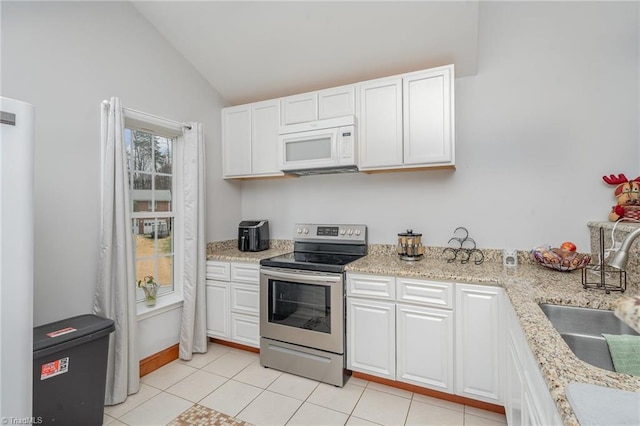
(301, 277)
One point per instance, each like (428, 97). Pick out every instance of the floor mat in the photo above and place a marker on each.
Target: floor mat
(203, 416)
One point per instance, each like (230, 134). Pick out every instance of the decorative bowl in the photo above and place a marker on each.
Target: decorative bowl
(560, 260)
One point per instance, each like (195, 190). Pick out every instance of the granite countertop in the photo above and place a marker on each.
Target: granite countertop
(228, 251)
(235, 255)
(526, 285)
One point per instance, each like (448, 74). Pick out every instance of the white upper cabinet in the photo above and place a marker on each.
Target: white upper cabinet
(329, 103)
(336, 102)
(264, 138)
(300, 108)
(407, 121)
(236, 140)
(250, 140)
(403, 122)
(428, 117)
(380, 123)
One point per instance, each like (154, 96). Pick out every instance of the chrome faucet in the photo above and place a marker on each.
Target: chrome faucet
(621, 257)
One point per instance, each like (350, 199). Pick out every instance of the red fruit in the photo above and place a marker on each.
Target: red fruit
(568, 245)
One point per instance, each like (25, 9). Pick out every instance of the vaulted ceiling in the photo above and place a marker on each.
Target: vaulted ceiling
(251, 51)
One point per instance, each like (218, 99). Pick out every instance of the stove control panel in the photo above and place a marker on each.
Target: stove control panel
(333, 233)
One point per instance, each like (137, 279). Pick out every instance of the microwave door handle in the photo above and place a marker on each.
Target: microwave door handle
(319, 279)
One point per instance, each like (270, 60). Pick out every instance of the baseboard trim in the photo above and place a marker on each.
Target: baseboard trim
(235, 345)
(157, 360)
(432, 393)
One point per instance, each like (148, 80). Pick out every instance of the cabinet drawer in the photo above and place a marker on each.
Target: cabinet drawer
(374, 286)
(245, 298)
(245, 272)
(217, 270)
(429, 293)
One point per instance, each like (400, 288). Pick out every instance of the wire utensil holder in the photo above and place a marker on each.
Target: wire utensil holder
(603, 272)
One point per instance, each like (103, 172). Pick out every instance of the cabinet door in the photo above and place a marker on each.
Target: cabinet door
(380, 123)
(425, 347)
(236, 141)
(245, 329)
(218, 309)
(479, 342)
(513, 396)
(300, 108)
(336, 102)
(371, 343)
(428, 117)
(245, 298)
(514, 371)
(539, 405)
(265, 122)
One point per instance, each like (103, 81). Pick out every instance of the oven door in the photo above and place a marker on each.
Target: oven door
(302, 307)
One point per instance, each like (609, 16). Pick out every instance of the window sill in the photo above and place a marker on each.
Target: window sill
(164, 304)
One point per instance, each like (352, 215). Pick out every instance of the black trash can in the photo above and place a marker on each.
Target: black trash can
(69, 370)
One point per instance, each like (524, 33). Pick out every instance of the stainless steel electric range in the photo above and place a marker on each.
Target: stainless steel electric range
(302, 302)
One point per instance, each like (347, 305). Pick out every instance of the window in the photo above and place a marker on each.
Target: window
(150, 159)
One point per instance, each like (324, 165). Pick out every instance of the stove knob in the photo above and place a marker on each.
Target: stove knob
(357, 232)
(350, 232)
(342, 232)
(306, 230)
(299, 231)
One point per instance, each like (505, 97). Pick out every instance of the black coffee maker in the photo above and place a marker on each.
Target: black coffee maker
(253, 235)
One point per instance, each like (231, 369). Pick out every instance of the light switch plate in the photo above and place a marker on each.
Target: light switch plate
(510, 257)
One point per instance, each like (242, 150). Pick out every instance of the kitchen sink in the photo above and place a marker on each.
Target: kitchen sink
(582, 329)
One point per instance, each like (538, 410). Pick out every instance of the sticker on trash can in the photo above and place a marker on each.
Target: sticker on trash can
(61, 332)
(54, 368)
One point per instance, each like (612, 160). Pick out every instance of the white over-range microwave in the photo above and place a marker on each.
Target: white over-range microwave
(318, 147)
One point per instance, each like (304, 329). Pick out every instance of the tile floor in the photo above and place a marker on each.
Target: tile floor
(233, 382)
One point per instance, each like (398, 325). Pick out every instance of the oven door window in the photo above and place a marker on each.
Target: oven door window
(304, 306)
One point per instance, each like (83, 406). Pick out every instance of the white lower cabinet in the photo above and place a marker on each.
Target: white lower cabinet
(401, 329)
(371, 337)
(514, 388)
(424, 339)
(245, 329)
(527, 399)
(233, 302)
(218, 309)
(479, 342)
(418, 337)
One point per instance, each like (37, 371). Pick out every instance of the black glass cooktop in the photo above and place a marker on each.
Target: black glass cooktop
(316, 260)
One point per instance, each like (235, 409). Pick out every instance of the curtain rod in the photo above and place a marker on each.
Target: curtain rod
(156, 117)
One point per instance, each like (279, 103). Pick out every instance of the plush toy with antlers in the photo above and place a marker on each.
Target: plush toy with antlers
(627, 193)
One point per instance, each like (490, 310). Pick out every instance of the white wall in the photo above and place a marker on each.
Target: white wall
(65, 58)
(553, 108)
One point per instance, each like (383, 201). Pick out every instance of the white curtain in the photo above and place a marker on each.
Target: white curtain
(115, 296)
(193, 328)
